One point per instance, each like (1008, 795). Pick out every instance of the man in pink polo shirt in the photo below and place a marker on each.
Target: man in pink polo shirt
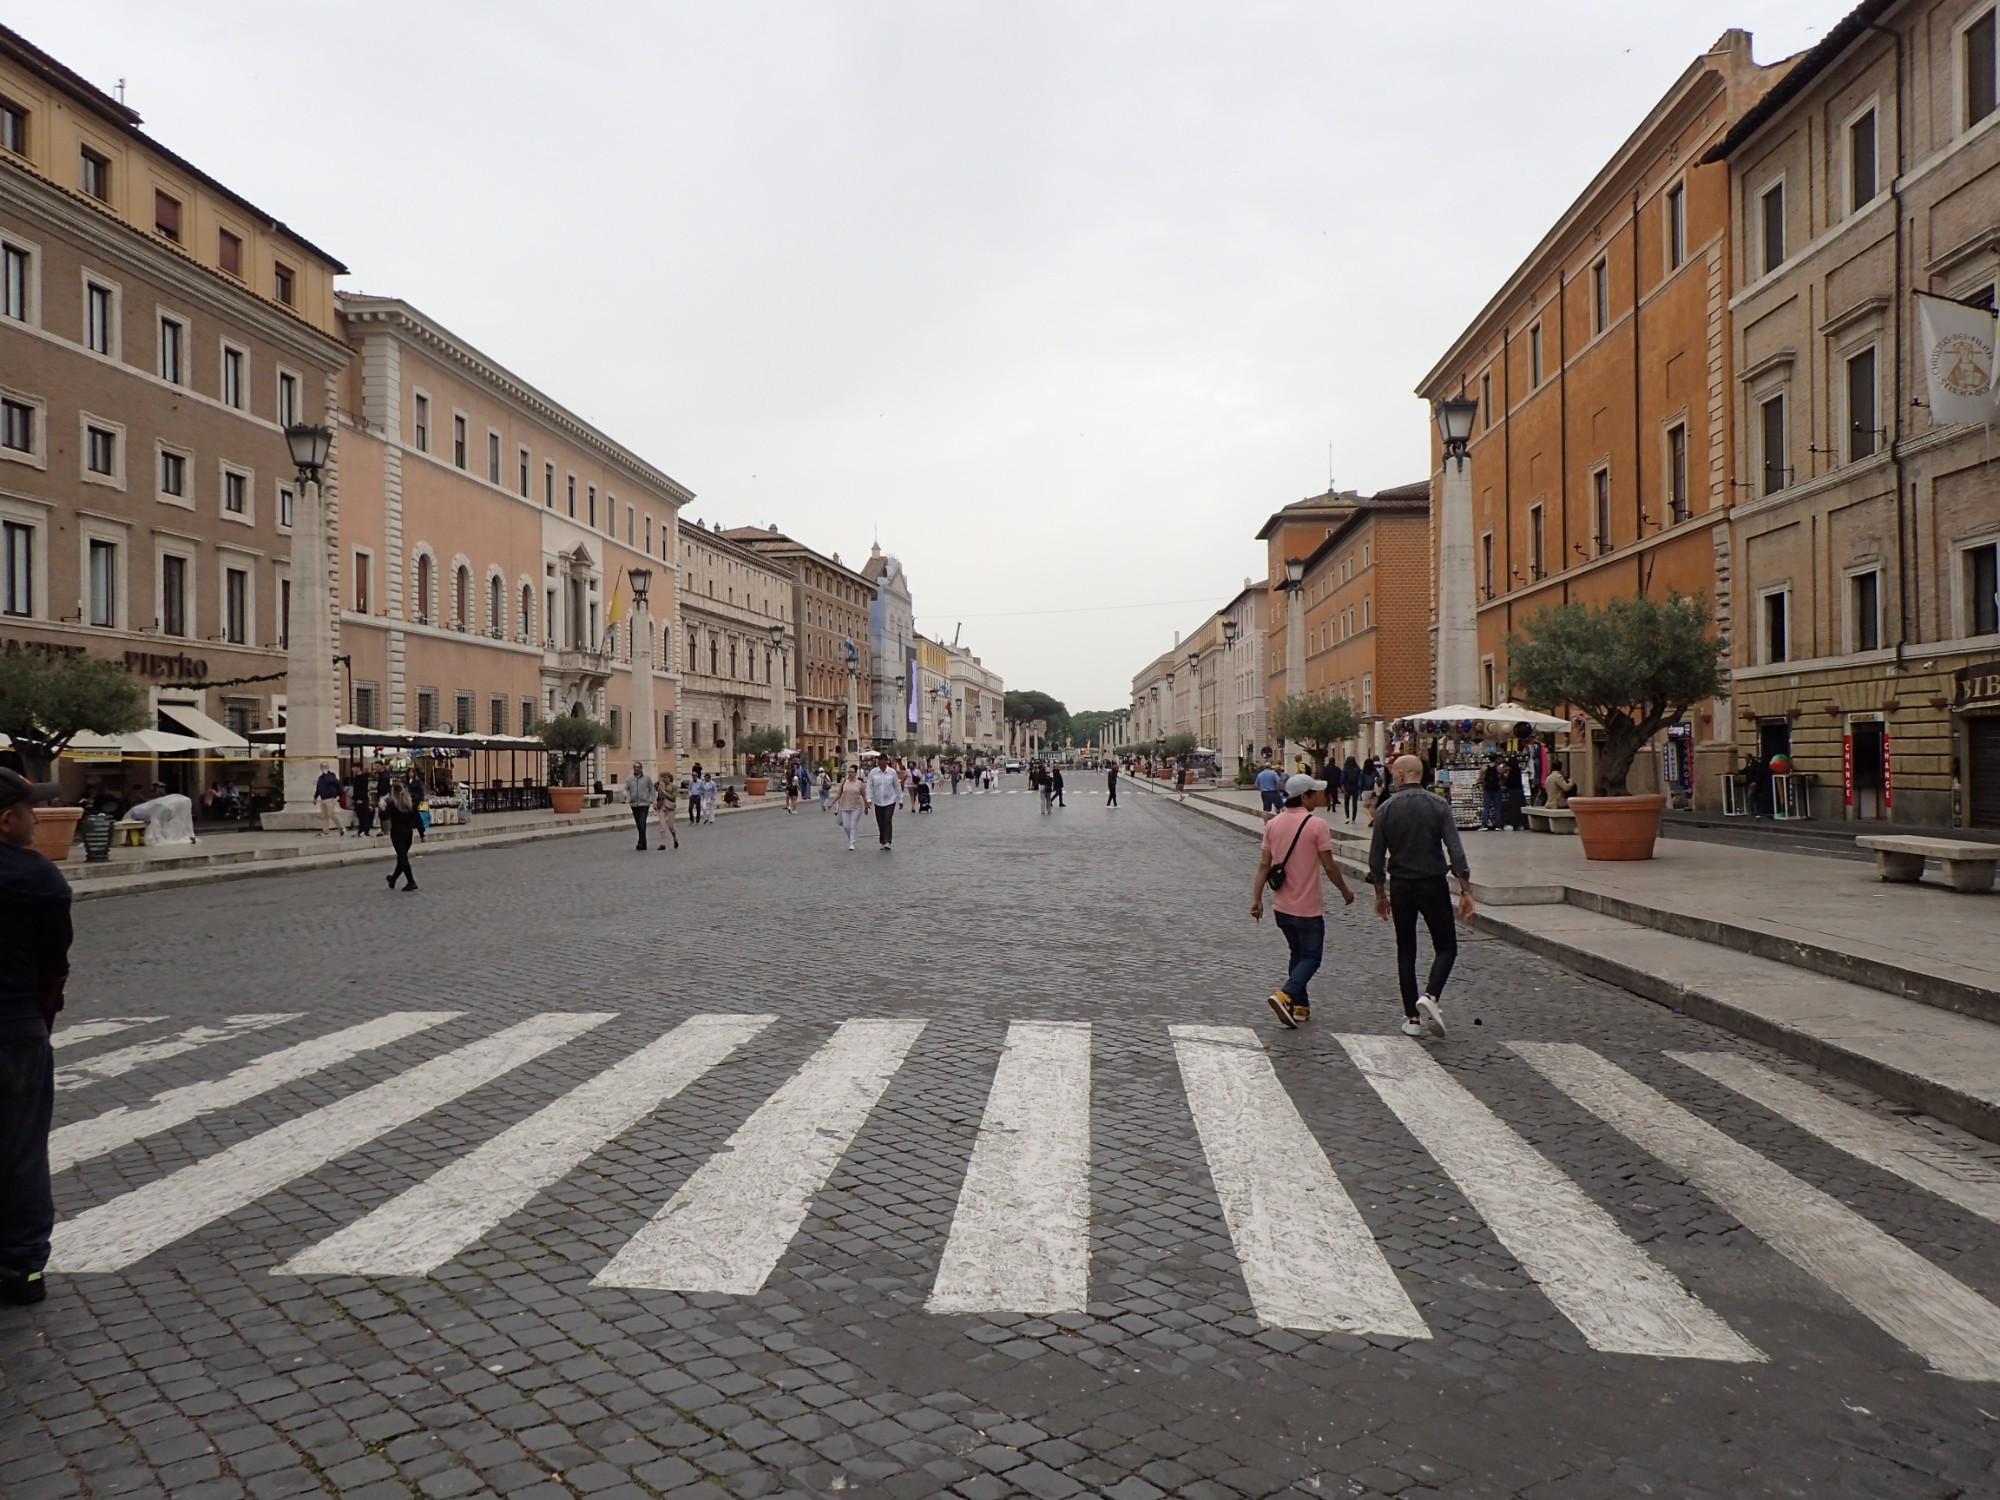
(1300, 845)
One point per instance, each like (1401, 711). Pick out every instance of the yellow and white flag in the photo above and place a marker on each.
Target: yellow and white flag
(1959, 354)
(617, 610)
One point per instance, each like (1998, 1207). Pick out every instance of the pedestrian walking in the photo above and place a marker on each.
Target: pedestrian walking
(1350, 787)
(1111, 785)
(666, 796)
(1045, 786)
(34, 967)
(1056, 785)
(825, 788)
(694, 794)
(639, 797)
(791, 775)
(400, 815)
(1414, 844)
(326, 799)
(1268, 792)
(1297, 847)
(364, 805)
(1513, 796)
(1180, 781)
(955, 770)
(885, 791)
(850, 803)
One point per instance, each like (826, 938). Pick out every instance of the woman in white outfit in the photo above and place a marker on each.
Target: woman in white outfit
(851, 803)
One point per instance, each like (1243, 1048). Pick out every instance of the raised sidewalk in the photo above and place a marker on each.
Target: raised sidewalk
(1896, 987)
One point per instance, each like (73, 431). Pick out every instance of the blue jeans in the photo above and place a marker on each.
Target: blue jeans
(1306, 938)
(27, 1102)
(1489, 809)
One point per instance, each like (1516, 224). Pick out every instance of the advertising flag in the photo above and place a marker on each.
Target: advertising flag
(1958, 350)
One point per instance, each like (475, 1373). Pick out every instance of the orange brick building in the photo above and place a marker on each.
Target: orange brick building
(1602, 458)
(1294, 532)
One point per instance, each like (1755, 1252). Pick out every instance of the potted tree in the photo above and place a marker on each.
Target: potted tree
(47, 701)
(570, 738)
(1632, 667)
(1316, 723)
(755, 747)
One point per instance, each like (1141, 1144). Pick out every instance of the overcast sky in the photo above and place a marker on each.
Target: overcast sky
(1059, 298)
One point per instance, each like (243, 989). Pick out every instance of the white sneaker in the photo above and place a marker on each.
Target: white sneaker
(1412, 1027)
(1432, 1017)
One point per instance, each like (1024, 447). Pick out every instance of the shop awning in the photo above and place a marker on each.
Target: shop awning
(202, 727)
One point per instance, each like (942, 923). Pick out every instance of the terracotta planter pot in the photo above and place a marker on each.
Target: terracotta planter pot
(1618, 827)
(756, 786)
(55, 827)
(566, 799)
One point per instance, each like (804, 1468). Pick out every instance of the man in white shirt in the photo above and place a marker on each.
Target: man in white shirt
(885, 791)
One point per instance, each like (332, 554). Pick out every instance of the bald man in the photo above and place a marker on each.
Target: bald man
(1415, 845)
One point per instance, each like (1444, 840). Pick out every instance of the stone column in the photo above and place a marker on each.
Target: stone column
(1295, 661)
(1458, 617)
(778, 691)
(853, 746)
(312, 693)
(645, 722)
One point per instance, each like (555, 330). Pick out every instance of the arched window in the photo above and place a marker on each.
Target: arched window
(732, 658)
(527, 611)
(424, 566)
(461, 597)
(496, 605)
(714, 650)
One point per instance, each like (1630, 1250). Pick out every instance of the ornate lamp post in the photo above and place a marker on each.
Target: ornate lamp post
(779, 720)
(1230, 631)
(1458, 610)
(1295, 634)
(312, 706)
(645, 723)
(853, 700)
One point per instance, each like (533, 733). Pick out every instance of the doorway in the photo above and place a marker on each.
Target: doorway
(1982, 767)
(1868, 740)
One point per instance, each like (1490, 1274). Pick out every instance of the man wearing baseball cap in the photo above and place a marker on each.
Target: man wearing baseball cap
(34, 964)
(1297, 846)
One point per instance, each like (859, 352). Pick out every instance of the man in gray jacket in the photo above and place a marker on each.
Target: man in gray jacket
(639, 793)
(1415, 843)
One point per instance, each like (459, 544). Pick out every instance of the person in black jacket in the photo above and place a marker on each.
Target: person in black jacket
(399, 816)
(1415, 844)
(34, 965)
(364, 805)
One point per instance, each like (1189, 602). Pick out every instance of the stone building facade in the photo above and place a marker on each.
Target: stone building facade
(892, 645)
(733, 679)
(978, 705)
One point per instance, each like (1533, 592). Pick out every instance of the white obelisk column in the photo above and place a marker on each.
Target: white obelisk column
(645, 722)
(1458, 619)
(312, 699)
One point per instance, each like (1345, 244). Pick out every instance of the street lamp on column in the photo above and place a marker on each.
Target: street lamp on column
(645, 726)
(1230, 631)
(1458, 610)
(1194, 698)
(778, 683)
(1295, 629)
(311, 688)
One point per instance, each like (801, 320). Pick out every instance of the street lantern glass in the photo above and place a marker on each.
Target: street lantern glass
(642, 580)
(1230, 630)
(1455, 417)
(1194, 660)
(1295, 571)
(777, 635)
(309, 446)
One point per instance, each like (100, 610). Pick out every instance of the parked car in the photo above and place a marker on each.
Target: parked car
(1010, 765)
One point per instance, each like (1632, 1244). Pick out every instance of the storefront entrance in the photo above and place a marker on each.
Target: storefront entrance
(1868, 769)
(1982, 770)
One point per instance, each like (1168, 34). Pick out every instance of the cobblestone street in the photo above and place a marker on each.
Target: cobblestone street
(299, 1255)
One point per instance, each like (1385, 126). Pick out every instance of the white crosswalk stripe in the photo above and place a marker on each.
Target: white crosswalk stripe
(1308, 1259)
(130, 1227)
(729, 1224)
(1618, 1298)
(111, 1064)
(1933, 1314)
(1931, 1165)
(418, 1231)
(117, 1128)
(90, 1031)
(1020, 1238)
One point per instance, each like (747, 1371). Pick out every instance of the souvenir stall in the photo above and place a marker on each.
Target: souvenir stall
(1455, 739)
(462, 774)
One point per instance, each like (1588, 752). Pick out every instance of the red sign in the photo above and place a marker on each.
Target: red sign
(1847, 769)
(1888, 781)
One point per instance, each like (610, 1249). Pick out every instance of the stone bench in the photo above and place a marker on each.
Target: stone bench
(1967, 866)
(1550, 820)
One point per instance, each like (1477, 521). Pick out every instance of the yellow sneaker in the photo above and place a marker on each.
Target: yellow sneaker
(1281, 1007)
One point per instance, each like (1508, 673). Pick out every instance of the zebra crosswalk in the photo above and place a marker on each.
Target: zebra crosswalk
(1019, 1235)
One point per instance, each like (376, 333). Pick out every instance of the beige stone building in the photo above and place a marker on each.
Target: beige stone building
(734, 678)
(1867, 536)
(978, 705)
(157, 333)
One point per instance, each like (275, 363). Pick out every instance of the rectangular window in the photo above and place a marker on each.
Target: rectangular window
(173, 595)
(461, 708)
(17, 597)
(1600, 509)
(572, 497)
(13, 128)
(17, 426)
(629, 523)
(496, 716)
(524, 473)
(422, 424)
(173, 475)
(458, 441)
(1982, 589)
(1676, 226)
(288, 400)
(1535, 355)
(1537, 566)
(1600, 296)
(1486, 563)
(1677, 471)
(1486, 400)
(617, 729)
(527, 714)
(100, 450)
(97, 317)
(1863, 426)
(229, 252)
(14, 282)
(1861, 162)
(1982, 76)
(363, 583)
(364, 704)
(549, 486)
(1772, 211)
(492, 458)
(1777, 620)
(173, 337)
(166, 215)
(232, 378)
(1777, 472)
(94, 175)
(1864, 594)
(235, 606)
(236, 494)
(103, 583)
(284, 282)
(593, 504)
(284, 505)
(284, 614)
(427, 709)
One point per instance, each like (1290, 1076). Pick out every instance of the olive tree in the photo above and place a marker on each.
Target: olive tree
(1316, 723)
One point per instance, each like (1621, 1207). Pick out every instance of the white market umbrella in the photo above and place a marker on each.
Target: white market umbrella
(1511, 713)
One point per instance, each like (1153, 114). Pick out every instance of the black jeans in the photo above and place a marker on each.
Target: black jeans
(1112, 799)
(1305, 937)
(1353, 801)
(27, 1101)
(364, 816)
(639, 815)
(1428, 897)
(399, 840)
(885, 831)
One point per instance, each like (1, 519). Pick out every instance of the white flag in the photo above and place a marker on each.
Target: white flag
(1959, 346)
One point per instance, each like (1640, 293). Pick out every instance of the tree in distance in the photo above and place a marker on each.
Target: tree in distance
(1174, 746)
(759, 743)
(569, 738)
(1317, 723)
(1025, 705)
(1632, 666)
(47, 701)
